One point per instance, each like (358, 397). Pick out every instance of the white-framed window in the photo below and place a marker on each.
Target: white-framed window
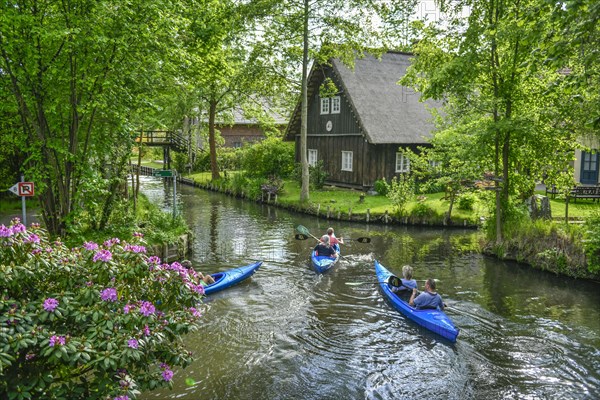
(324, 105)
(312, 157)
(336, 105)
(402, 163)
(237, 145)
(346, 161)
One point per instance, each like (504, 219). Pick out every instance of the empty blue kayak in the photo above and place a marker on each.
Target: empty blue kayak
(324, 263)
(231, 277)
(435, 320)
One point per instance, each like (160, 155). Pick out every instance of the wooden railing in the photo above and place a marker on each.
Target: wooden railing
(168, 138)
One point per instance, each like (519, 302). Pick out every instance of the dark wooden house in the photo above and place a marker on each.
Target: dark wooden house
(358, 132)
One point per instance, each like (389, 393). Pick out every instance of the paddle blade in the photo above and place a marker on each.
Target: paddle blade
(302, 229)
(300, 236)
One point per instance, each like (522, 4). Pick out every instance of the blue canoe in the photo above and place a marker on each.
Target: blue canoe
(324, 263)
(231, 277)
(435, 320)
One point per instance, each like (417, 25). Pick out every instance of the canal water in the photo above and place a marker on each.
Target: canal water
(289, 333)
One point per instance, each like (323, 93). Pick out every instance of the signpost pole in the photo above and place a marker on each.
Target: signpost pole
(23, 204)
(174, 194)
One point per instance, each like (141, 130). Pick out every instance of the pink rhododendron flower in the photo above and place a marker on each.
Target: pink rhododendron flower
(103, 255)
(5, 232)
(109, 294)
(54, 339)
(50, 304)
(90, 246)
(147, 308)
(135, 248)
(133, 343)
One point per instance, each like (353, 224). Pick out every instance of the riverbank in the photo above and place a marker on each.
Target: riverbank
(558, 250)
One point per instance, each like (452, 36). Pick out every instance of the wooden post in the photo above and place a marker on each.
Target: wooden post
(339, 214)
(350, 213)
(318, 208)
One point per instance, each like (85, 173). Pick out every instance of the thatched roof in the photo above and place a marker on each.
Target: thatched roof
(386, 111)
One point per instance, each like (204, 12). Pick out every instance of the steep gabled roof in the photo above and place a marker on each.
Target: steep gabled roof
(386, 111)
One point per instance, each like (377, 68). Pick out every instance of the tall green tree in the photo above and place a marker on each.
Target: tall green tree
(76, 73)
(226, 67)
(307, 31)
(481, 65)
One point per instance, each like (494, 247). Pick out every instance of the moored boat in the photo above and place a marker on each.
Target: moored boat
(324, 263)
(231, 277)
(435, 320)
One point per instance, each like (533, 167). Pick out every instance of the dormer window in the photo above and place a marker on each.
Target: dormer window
(336, 105)
(324, 105)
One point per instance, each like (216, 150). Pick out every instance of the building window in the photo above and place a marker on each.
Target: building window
(433, 164)
(346, 161)
(336, 105)
(237, 145)
(325, 106)
(402, 163)
(312, 157)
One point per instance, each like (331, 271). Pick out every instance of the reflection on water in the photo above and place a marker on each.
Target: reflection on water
(288, 333)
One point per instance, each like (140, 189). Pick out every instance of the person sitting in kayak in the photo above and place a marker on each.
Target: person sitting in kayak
(332, 239)
(324, 249)
(204, 280)
(407, 283)
(428, 299)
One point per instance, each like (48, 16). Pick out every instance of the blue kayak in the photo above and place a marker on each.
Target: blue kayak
(435, 320)
(324, 263)
(231, 277)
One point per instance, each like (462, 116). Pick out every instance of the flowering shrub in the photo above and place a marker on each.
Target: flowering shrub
(92, 322)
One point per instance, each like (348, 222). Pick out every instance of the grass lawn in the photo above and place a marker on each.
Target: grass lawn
(579, 210)
(339, 199)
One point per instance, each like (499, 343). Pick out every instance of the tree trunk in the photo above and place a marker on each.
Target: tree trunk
(214, 167)
(304, 192)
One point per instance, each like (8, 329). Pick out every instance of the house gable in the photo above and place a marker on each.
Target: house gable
(358, 145)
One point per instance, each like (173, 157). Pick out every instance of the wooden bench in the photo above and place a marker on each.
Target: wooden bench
(552, 190)
(585, 192)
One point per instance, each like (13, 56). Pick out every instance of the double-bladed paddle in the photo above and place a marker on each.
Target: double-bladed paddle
(304, 234)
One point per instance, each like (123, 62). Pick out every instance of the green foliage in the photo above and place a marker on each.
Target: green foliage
(381, 186)
(400, 191)
(254, 188)
(239, 183)
(422, 210)
(591, 242)
(328, 88)
(231, 159)
(202, 162)
(180, 162)
(73, 80)
(95, 321)
(318, 175)
(271, 156)
(510, 102)
(466, 202)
